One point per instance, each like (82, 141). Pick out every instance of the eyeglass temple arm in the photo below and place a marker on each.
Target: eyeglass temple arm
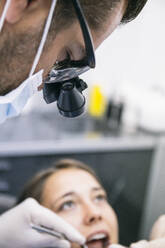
(86, 34)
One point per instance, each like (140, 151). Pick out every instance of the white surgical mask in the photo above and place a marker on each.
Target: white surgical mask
(13, 103)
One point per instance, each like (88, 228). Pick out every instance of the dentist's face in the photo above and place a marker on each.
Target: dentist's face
(78, 198)
(22, 33)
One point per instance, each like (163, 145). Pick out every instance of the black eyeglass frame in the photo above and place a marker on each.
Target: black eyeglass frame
(90, 55)
(89, 59)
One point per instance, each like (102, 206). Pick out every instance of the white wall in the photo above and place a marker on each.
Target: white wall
(135, 52)
(131, 62)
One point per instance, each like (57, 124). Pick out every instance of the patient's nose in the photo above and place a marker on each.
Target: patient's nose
(92, 214)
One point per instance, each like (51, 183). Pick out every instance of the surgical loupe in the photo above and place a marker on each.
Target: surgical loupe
(63, 83)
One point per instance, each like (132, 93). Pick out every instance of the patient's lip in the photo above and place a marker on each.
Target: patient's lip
(99, 239)
(101, 233)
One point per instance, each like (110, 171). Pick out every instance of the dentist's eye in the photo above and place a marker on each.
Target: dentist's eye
(66, 206)
(68, 57)
(64, 56)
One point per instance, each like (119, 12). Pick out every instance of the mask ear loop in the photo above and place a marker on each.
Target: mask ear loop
(43, 40)
(2, 19)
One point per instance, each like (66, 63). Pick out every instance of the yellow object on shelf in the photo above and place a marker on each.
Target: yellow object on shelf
(96, 102)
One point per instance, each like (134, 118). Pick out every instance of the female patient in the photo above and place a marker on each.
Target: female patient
(72, 190)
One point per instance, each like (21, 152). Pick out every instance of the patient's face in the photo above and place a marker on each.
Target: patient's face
(78, 198)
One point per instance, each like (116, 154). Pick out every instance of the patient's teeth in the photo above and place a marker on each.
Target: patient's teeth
(98, 236)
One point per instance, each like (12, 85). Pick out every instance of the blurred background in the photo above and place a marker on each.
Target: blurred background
(121, 134)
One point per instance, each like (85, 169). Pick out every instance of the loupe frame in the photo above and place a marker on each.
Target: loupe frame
(89, 60)
(89, 48)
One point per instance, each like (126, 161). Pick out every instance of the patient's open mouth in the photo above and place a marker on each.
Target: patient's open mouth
(98, 240)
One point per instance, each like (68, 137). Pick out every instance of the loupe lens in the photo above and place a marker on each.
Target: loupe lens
(60, 74)
(71, 102)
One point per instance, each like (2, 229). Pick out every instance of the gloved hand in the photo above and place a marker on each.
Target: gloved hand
(157, 237)
(16, 230)
(158, 229)
(158, 243)
(140, 244)
(117, 246)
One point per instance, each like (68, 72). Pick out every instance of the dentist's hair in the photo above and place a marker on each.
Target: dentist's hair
(96, 12)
